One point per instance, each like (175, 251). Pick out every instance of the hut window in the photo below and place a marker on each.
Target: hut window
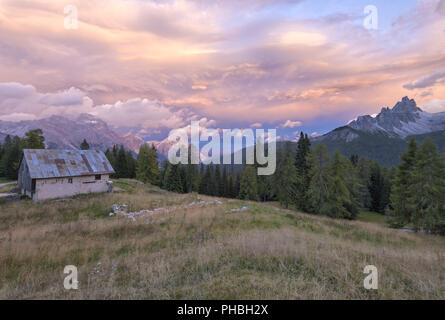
(98, 177)
(70, 180)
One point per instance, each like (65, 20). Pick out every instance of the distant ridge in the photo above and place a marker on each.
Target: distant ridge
(384, 137)
(62, 132)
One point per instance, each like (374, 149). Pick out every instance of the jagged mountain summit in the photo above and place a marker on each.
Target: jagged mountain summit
(63, 132)
(384, 137)
(404, 119)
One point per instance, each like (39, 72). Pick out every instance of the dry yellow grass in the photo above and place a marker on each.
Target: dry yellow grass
(206, 252)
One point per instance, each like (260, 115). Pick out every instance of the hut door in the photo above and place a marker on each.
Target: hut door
(33, 185)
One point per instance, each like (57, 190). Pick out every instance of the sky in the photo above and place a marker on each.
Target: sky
(150, 66)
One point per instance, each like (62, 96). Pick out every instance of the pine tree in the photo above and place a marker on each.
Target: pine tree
(112, 157)
(121, 167)
(340, 202)
(402, 187)
(266, 188)
(229, 189)
(201, 186)
(319, 174)
(354, 159)
(377, 188)
(218, 187)
(12, 152)
(165, 171)
(191, 174)
(206, 180)
(223, 182)
(143, 164)
(114, 151)
(212, 182)
(363, 169)
(34, 139)
(236, 185)
(248, 189)
(109, 156)
(354, 187)
(303, 167)
(84, 145)
(427, 191)
(183, 174)
(174, 181)
(131, 165)
(154, 177)
(439, 223)
(287, 177)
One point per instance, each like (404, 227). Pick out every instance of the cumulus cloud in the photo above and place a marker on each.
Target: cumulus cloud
(14, 90)
(291, 124)
(70, 97)
(24, 102)
(142, 113)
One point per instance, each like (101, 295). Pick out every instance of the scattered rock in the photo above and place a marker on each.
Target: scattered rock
(238, 210)
(123, 209)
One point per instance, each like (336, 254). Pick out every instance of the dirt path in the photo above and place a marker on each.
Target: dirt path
(7, 195)
(7, 184)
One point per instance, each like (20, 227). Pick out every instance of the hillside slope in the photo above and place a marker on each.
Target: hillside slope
(206, 251)
(376, 146)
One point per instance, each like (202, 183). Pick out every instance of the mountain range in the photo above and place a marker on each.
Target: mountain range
(403, 120)
(63, 132)
(384, 137)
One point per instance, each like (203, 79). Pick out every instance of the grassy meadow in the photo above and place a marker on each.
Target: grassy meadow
(207, 252)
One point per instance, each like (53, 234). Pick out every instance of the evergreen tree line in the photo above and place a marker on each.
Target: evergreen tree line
(122, 161)
(12, 148)
(307, 179)
(417, 195)
(213, 180)
(144, 168)
(311, 180)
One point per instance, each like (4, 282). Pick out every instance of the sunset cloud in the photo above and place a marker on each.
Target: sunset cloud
(24, 102)
(157, 64)
(291, 124)
(425, 82)
(256, 125)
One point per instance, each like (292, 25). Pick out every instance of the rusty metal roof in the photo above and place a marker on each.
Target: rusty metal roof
(45, 164)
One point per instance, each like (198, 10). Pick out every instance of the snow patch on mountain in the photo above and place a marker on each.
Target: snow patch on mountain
(404, 119)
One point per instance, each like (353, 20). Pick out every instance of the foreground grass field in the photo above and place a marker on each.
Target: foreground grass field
(206, 252)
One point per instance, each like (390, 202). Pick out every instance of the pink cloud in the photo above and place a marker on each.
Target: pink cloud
(157, 64)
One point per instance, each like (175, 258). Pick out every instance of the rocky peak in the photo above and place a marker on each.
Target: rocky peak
(366, 123)
(406, 106)
(393, 120)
